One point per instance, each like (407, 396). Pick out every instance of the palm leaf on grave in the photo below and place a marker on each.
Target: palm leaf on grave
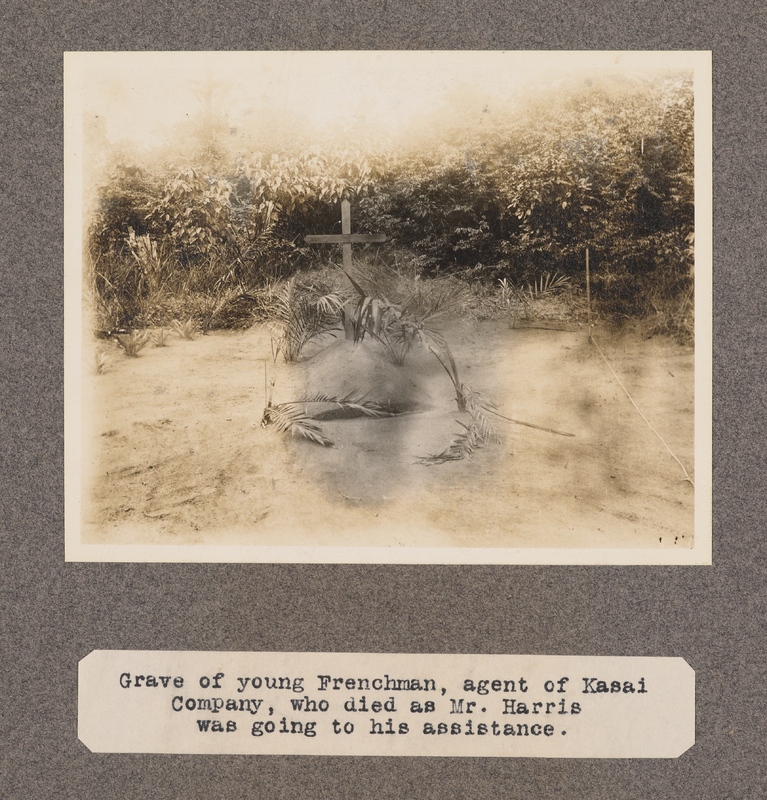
(291, 418)
(296, 419)
(352, 402)
(477, 405)
(476, 434)
(463, 446)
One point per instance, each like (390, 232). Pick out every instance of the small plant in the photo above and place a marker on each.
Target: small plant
(369, 314)
(398, 326)
(101, 362)
(302, 315)
(160, 337)
(210, 305)
(186, 330)
(133, 342)
(516, 298)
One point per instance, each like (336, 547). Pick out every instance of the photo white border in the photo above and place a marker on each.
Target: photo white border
(699, 554)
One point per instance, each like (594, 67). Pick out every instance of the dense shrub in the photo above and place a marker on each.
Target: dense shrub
(441, 205)
(608, 167)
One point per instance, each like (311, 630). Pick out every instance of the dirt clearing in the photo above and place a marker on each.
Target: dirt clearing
(176, 453)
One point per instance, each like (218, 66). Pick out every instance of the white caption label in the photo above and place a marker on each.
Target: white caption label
(386, 704)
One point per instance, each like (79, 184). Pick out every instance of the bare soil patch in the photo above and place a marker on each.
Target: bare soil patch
(176, 453)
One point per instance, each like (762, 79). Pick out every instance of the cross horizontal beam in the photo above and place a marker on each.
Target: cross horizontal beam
(345, 238)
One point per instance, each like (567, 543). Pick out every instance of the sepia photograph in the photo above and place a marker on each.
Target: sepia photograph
(388, 307)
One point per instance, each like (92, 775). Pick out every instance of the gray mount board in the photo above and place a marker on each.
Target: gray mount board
(54, 613)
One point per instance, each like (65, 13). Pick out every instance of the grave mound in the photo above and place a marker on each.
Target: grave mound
(363, 371)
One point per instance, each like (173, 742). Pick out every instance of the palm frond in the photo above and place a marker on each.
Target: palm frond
(437, 346)
(477, 404)
(476, 434)
(360, 291)
(463, 446)
(330, 303)
(547, 283)
(352, 402)
(301, 316)
(291, 418)
(295, 417)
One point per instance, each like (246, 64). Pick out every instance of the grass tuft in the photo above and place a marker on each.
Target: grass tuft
(186, 330)
(101, 362)
(133, 342)
(160, 337)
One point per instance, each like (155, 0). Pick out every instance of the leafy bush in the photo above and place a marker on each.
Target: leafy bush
(194, 213)
(440, 205)
(607, 166)
(123, 203)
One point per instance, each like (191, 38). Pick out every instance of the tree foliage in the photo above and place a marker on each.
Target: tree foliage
(606, 166)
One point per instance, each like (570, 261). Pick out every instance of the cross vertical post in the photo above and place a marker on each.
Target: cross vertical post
(346, 229)
(346, 238)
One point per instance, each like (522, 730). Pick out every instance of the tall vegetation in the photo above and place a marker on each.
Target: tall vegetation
(512, 198)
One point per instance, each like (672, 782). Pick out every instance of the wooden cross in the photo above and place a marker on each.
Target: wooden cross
(346, 238)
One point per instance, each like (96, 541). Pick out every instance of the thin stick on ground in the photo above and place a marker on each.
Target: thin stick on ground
(639, 411)
(588, 290)
(530, 424)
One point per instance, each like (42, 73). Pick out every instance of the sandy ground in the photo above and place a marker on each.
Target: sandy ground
(176, 454)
